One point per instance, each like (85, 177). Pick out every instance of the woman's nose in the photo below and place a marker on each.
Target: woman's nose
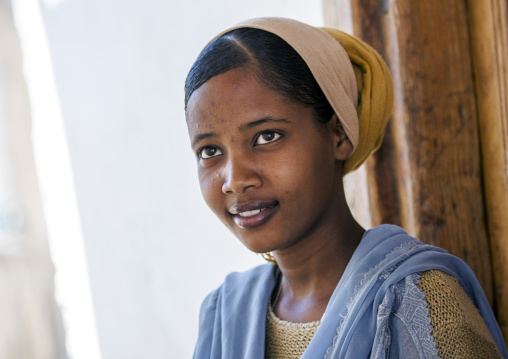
(240, 175)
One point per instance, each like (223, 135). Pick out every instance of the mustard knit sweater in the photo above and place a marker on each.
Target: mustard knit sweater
(458, 329)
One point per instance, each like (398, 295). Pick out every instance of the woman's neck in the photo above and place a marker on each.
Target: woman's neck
(312, 269)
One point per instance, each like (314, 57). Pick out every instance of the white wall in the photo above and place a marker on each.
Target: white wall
(153, 249)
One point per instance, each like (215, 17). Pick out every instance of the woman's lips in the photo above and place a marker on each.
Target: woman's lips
(253, 214)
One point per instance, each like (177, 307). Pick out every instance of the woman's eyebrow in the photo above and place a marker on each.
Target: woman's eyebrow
(262, 121)
(203, 136)
(243, 127)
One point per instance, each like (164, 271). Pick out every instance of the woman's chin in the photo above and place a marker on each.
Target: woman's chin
(258, 248)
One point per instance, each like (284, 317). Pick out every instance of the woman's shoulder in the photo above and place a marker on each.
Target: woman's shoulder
(239, 284)
(434, 314)
(244, 294)
(252, 276)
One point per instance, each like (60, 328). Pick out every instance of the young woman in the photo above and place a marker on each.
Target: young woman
(278, 112)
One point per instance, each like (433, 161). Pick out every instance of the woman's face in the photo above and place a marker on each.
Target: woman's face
(266, 168)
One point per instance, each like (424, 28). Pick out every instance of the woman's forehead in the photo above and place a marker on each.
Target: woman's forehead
(235, 100)
(232, 92)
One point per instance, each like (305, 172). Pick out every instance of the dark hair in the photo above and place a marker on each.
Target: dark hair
(275, 62)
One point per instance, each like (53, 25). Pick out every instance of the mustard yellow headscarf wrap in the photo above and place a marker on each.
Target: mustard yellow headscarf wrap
(352, 75)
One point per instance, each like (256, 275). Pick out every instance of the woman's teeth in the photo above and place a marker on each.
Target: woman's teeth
(250, 213)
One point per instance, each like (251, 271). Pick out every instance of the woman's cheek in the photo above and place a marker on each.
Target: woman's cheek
(210, 187)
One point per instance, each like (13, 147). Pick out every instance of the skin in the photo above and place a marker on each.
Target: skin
(273, 176)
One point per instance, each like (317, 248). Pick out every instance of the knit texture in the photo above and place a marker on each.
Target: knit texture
(287, 340)
(458, 328)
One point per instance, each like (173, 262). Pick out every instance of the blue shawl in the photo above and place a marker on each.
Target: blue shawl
(233, 317)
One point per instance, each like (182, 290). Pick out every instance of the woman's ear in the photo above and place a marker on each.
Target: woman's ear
(343, 146)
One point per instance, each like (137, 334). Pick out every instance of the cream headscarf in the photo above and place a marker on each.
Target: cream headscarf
(352, 75)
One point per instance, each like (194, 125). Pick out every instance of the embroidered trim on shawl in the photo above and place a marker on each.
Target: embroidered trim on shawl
(385, 340)
(413, 311)
(362, 283)
(407, 302)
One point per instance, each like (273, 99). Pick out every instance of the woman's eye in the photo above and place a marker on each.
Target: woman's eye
(209, 152)
(267, 137)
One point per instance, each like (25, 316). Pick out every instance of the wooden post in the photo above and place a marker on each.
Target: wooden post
(382, 185)
(428, 176)
(489, 38)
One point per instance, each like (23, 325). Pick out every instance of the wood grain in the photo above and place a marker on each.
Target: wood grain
(442, 129)
(443, 166)
(489, 39)
(428, 175)
(382, 184)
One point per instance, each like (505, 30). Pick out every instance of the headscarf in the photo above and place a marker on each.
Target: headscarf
(351, 74)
